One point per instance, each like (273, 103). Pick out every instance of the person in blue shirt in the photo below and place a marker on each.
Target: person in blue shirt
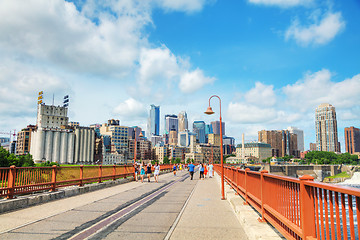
(191, 170)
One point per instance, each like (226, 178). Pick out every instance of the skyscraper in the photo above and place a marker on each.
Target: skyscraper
(352, 140)
(216, 127)
(326, 128)
(282, 142)
(171, 123)
(199, 130)
(154, 121)
(183, 121)
(300, 137)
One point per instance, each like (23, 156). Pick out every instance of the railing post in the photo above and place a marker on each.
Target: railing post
(11, 182)
(262, 219)
(114, 172)
(81, 175)
(100, 173)
(246, 196)
(53, 178)
(307, 208)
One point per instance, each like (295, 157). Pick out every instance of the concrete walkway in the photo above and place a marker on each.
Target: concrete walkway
(206, 216)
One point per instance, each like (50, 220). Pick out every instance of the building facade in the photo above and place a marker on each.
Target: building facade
(199, 130)
(216, 127)
(300, 137)
(24, 140)
(154, 121)
(352, 140)
(326, 128)
(282, 142)
(183, 122)
(256, 151)
(171, 123)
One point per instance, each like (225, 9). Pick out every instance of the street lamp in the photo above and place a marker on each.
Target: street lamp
(209, 111)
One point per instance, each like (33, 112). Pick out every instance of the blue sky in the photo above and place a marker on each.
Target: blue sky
(272, 62)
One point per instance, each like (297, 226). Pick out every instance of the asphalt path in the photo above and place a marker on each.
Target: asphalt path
(136, 211)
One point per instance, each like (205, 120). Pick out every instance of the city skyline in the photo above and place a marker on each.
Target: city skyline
(271, 62)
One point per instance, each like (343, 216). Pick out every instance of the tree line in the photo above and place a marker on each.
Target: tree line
(8, 159)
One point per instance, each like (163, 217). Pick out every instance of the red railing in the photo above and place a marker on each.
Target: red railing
(299, 208)
(23, 180)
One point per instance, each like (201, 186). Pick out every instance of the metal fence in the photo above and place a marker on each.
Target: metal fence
(23, 180)
(299, 208)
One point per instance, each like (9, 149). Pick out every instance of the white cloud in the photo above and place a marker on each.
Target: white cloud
(130, 109)
(317, 88)
(158, 63)
(261, 94)
(192, 81)
(282, 3)
(19, 89)
(320, 32)
(181, 5)
(247, 113)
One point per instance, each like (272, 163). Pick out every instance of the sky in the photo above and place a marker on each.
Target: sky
(272, 62)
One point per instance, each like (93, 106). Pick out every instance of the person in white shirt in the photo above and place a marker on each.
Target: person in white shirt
(156, 172)
(211, 170)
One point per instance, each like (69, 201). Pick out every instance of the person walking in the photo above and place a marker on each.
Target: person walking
(136, 168)
(191, 168)
(148, 171)
(211, 170)
(142, 172)
(174, 169)
(156, 172)
(201, 167)
(205, 170)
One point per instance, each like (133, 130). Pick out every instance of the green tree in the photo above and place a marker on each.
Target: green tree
(166, 160)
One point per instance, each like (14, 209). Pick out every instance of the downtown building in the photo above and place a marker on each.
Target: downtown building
(153, 128)
(199, 130)
(352, 140)
(326, 128)
(282, 142)
(253, 152)
(53, 140)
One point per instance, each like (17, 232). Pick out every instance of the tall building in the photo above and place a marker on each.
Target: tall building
(326, 128)
(199, 130)
(300, 137)
(352, 140)
(254, 151)
(119, 137)
(183, 121)
(171, 123)
(173, 138)
(216, 127)
(184, 139)
(154, 121)
(24, 140)
(282, 142)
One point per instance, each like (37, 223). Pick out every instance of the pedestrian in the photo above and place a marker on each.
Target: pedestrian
(148, 171)
(205, 170)
(156, 172)
(191, 168)
(136, 168)
(201, 167)
(174, 169)
(142, 172)
(211, 170)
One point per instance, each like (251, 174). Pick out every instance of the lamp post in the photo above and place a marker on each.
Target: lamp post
(209, 111)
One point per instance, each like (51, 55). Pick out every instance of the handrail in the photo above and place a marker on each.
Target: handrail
(23, 180)
(299, 208)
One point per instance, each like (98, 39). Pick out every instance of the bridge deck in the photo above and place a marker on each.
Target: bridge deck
(174, 208)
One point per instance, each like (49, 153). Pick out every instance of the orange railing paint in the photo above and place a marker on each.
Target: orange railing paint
(23, 180)
(299, 208)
